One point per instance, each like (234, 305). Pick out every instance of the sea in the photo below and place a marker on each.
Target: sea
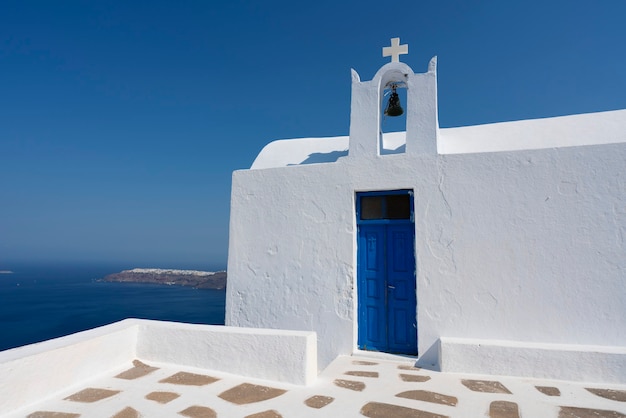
(40, 302)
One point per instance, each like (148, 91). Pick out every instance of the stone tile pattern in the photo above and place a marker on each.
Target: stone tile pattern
(427, 396)
(503, 409)
(198, 412)
(138, 370)
(127, 412)
(614, 395)
(386, 410)
(192, 379)
(549, 390)
(318, 401)
(486, 386)
(361, 373)
(392, 390)
(350, 384)
(575, 412)
(90, 395)
(414, 378)
(248, 393)
(408, 367)
(162, 397)
(265, 414)
(364, 363)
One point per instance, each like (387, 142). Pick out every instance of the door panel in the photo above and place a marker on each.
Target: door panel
(400, 328)
(386, 288)
(372, 293)
(399, 247)
(401, 300)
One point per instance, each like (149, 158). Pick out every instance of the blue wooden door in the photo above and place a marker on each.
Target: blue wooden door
(401, 297)
(386, 286)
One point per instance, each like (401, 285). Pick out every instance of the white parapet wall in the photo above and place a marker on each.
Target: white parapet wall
(35, 372)
(602, 364)
(285, 356)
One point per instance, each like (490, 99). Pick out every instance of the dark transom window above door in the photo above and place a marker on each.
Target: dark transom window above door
(388, 205)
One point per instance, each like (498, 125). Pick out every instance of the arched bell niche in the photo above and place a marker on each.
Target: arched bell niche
(393, 126)
(418, 98)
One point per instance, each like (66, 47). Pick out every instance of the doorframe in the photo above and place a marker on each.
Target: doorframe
(357, 211)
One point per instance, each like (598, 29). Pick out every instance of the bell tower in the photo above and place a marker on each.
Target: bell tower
(422, 123)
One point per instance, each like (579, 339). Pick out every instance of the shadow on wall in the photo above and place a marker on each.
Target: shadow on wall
(333, 156)
(431, 359)
(400, 150)
(324, 157)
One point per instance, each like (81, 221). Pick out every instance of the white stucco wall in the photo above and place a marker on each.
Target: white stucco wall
(591, 363)
(34, 372)
(523, 246)
(283, 356)
(558, 132)
(39, 371)
(520, 233)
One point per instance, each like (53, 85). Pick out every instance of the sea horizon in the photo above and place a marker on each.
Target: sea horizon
(107, 266)
(44, 300)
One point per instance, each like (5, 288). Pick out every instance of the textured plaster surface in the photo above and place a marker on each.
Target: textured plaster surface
(33, 372)
(264, 353)
(558, 132)
(593, 363)
(521, 245)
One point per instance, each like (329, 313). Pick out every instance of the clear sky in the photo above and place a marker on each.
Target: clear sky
(122, 121)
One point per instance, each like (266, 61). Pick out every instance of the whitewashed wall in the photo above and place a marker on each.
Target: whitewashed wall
(35, 372)
(279, 355)
(515, 249)
(522, 246)
(38, 371)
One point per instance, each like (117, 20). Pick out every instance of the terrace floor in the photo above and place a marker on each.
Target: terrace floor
(349, 387)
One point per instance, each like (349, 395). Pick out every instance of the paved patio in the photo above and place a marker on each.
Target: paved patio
(349, 387)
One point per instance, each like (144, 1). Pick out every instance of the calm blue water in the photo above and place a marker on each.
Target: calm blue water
(43, 302)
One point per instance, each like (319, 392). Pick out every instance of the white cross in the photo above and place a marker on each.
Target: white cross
(395, 50)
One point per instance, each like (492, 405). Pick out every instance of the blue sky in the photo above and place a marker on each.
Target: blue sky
(122, 121)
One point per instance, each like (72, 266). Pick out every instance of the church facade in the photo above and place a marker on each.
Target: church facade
(486, 249)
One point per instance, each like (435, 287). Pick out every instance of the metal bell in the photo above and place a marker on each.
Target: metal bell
(393, 105)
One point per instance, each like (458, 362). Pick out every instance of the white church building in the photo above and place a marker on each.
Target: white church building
(497, 248)
(494, 249)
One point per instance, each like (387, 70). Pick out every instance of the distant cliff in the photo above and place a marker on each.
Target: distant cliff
(191, 278)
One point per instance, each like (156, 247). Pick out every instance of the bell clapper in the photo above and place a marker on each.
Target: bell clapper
(393, 105)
